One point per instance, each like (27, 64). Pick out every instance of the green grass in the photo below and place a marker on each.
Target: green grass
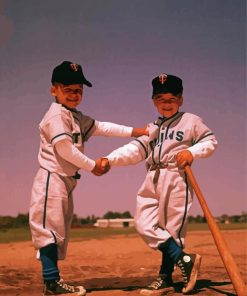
(15, 235)
(98, 233)
(23, 234)
(204, 226)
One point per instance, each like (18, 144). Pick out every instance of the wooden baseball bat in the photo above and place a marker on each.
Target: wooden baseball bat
(221, 245)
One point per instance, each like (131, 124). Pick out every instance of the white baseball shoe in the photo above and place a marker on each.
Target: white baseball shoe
(158, 287)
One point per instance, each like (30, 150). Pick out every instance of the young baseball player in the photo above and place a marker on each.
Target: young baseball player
(63, 132)
(165, 197)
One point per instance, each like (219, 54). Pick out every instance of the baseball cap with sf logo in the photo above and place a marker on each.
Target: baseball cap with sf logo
(69, 73)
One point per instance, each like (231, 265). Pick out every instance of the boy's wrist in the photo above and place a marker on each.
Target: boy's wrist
(139, 131)
(109, 160)
(91, 165)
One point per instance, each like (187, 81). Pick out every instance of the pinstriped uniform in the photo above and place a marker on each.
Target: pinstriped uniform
(165, 197)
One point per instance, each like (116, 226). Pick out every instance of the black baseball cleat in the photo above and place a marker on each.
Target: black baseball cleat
(189, 265)
(59, 287)
(159, 286)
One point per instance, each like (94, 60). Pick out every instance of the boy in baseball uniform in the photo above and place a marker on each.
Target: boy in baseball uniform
(63, 132)
(165, 197)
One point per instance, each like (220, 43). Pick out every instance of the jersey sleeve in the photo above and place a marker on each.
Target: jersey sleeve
(131, 153)
(142, 144)
(204, 141)
(58, 128)
(109, 129)
(125, 155)
(71, 154)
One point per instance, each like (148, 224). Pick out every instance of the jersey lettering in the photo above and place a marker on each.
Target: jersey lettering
(180, 136)
(171, 135)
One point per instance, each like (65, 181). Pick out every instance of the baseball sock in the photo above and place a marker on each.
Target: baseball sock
(166, 268)
(171, 248)
(48, 257)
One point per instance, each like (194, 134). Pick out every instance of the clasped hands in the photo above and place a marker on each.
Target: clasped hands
(102, 166)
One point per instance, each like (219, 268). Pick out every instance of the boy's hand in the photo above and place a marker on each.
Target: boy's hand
(102, 166)
(184, 158)
(140, 131)
(105, 165)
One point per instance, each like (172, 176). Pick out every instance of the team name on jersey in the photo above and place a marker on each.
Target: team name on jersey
(172, 135)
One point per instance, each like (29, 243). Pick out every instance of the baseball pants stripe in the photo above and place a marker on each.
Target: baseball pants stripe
(162, 209)
(51, 210)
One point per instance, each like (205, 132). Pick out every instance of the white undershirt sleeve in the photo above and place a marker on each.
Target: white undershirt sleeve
(109, 129)
(203, 149)
(70, 153)
(125, 155)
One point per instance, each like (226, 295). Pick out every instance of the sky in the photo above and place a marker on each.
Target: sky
(122, 46)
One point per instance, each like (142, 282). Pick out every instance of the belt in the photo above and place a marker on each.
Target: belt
(156, 167)
(77, 176)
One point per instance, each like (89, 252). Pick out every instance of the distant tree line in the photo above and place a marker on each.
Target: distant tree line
(21, 220)
(221, 219)
(13, 222)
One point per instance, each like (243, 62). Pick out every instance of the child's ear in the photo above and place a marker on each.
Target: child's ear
(181, 100)
(53, 91)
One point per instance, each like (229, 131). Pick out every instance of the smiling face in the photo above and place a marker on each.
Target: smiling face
(167, 104)
(68, 95)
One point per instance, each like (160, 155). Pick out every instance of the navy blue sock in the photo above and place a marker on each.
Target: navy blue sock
(167, 265)
(171, 248)
(166, 268)
(48, 257)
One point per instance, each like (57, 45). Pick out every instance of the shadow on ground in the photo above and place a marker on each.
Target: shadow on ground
(203, 286)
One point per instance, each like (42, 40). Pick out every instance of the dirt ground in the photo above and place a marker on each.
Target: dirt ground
(120, 265)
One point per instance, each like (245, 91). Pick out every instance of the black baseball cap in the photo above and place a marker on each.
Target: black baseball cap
(165, 83)
(69, 73)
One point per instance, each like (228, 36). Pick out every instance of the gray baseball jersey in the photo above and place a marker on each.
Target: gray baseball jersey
(51, 208)
(165, 197)
(60, 123)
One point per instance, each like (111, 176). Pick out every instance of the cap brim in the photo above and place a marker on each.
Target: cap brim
(87, 83)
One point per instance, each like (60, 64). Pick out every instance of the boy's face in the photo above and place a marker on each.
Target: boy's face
(68, 95)
(167, 104)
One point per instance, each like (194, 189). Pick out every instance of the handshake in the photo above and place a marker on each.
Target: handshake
(102, 166)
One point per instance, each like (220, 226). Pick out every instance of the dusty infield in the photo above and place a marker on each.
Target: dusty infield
(120, 265)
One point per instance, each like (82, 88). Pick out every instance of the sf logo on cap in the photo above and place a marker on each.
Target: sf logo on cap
(74, 67)
(162, 78)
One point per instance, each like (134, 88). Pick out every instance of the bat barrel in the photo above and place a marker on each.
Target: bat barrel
(221, 245)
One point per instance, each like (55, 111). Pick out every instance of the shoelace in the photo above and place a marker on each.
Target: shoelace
(156, 283)
(66, 286)
(181, 266)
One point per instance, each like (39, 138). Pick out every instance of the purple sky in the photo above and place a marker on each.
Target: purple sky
(122, 45)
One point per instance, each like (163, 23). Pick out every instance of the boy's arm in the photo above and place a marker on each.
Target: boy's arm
(131, 153)
(109, 129)
(203, 149)
(204, 141)
(125, 155)
(204, 144)
(70, 153)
